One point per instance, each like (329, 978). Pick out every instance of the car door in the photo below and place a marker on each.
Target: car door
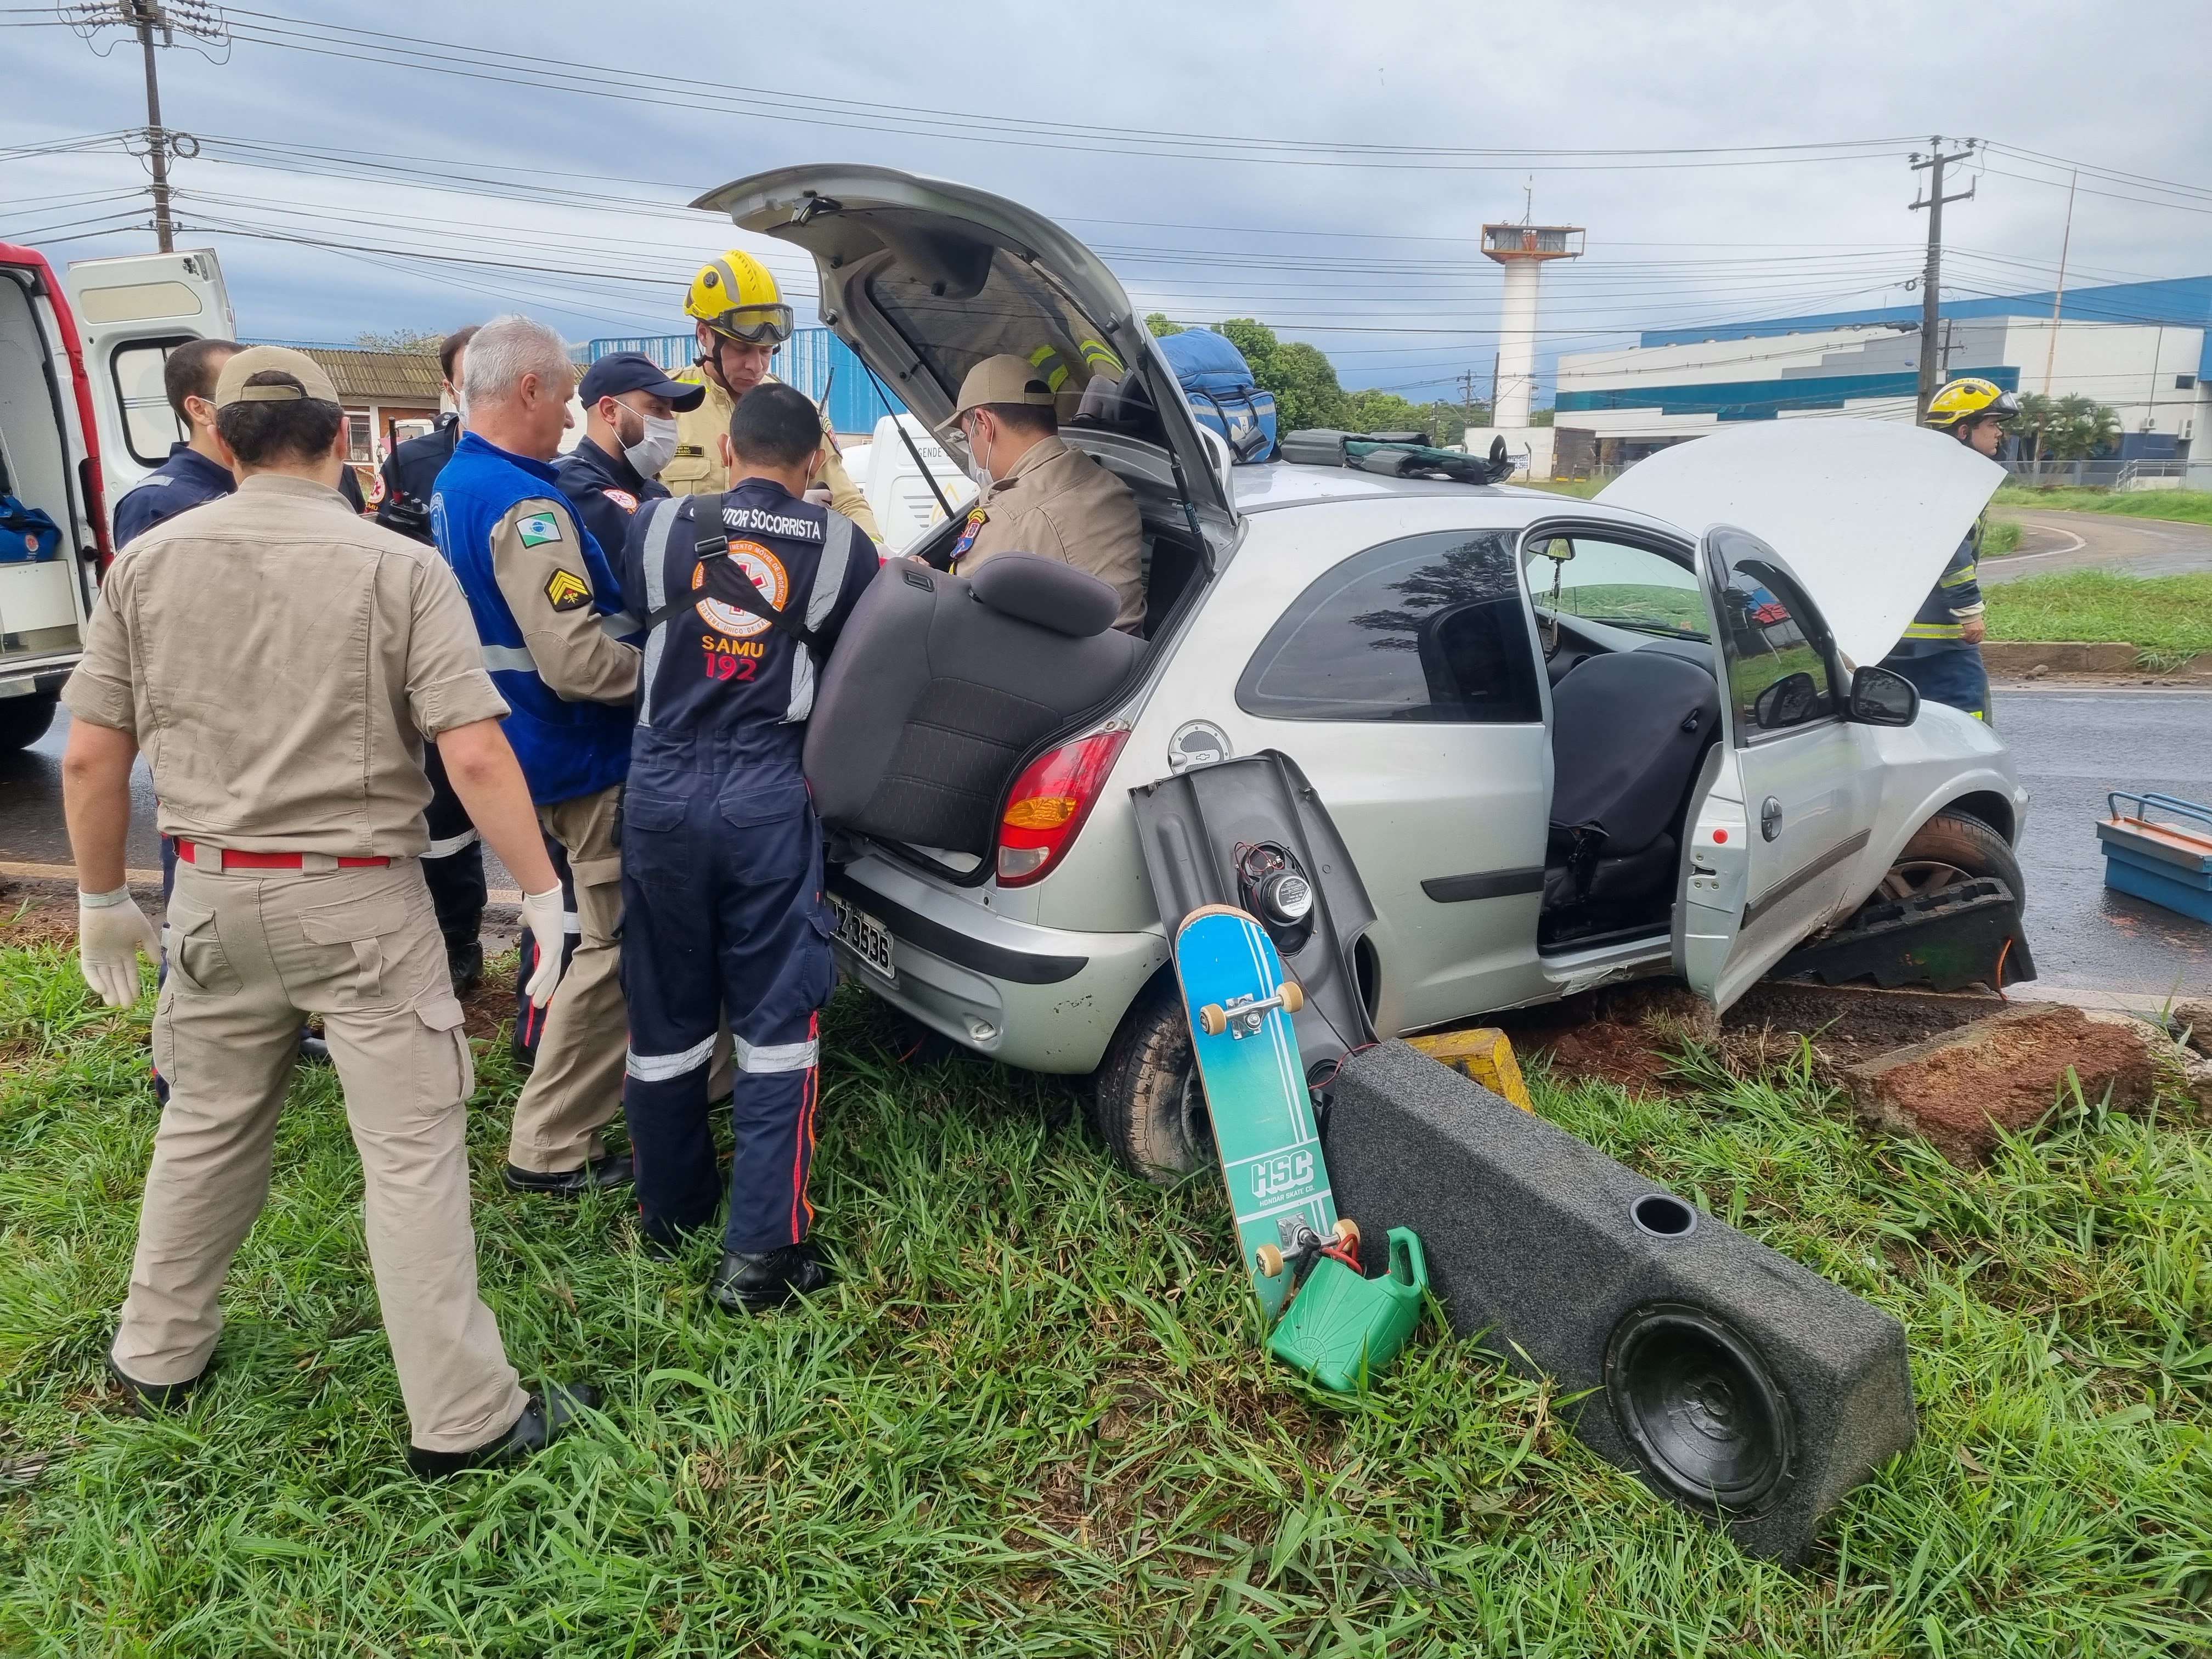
(1404, 680)
(131, 313)
(1788, 797)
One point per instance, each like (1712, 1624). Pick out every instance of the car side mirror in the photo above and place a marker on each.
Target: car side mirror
(1791, 700)
(1882, 696)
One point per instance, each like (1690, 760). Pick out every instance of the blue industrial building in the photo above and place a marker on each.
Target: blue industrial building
(814, 360)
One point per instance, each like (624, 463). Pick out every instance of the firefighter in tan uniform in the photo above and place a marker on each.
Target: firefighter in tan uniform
(545, 599)
(740, 318)
(288, 765)
(1043, 497)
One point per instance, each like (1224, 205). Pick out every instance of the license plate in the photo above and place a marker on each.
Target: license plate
(867, 938)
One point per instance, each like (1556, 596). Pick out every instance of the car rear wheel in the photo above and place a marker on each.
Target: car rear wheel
(24, 721)
(1949, 848)
(1149, 1104)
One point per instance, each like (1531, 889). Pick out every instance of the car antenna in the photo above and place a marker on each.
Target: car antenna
(907, 438)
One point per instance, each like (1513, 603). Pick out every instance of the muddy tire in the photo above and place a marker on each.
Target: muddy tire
(1148, 1104)
(1950, 847)
(24, 721)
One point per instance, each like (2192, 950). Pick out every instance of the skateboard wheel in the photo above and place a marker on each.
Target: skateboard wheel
(1270, 1259)
(1211, 1020)
(1347, 1234)
(1293, 999)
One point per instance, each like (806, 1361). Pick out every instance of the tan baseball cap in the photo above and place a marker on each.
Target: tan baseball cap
(1005, 379)
(230, 386)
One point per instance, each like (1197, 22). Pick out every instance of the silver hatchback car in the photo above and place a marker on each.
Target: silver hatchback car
(1445, 664)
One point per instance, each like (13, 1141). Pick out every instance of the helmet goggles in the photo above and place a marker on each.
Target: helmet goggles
(757, 325)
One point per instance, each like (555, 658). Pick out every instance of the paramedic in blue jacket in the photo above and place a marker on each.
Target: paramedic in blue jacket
(629, 434)
(725, 916)
(542, 594)
(1941, 652)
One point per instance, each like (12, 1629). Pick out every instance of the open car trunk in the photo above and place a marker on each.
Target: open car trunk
(924, 280)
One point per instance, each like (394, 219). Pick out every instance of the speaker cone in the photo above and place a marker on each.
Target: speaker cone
(1699, 1405)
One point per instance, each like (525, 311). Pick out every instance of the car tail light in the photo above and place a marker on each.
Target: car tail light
(1049, 802)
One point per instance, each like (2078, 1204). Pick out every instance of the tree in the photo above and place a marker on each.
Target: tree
(1159, 327)
(411, 340)
(2070, 428)
(1302, 379)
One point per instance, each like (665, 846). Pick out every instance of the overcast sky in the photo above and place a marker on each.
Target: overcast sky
(1373, 262)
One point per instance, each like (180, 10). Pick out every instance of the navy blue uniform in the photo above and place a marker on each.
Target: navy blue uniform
(411, 479)
(185, 480)
(723, 910)
(1934, 655)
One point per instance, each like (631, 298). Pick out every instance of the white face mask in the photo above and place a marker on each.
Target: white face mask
(656, 446)
(979, 467)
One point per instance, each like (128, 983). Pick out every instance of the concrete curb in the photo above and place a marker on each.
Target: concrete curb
(2080, 657)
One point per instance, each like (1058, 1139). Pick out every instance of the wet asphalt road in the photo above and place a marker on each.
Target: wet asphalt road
(2073, 744)
(2051, 542)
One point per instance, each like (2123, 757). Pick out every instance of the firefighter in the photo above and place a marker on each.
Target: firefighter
(1941, 652)
(739, 317)
(724, 913)
(544, 596)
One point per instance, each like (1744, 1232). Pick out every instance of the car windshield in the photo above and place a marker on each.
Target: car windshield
(1622, 587)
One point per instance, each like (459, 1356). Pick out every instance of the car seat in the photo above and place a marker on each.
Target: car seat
(1628, 730)
(939, 684)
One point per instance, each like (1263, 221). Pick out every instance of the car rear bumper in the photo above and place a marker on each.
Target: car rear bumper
(1040, 998)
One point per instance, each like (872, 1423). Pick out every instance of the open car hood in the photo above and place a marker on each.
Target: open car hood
(1867, 513)
(924, 279)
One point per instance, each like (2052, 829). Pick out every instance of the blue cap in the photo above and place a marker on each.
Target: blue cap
(632, 371)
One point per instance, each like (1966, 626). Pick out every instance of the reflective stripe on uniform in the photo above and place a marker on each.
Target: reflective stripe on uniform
(663, 512)
(776, 1056)
(1959, 577)
(509, 658)
(1934, 631)
(453, 844)
(821, 600)
(621, 625)
(572, 923)
(659, 1068)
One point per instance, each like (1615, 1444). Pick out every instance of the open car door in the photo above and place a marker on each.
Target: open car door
(925, 279)
(131, 313)
(1849, 524)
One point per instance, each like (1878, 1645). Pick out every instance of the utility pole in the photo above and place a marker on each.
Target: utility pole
(1467, 394)
(1931, 274)
(2058, 299)
(202, 21)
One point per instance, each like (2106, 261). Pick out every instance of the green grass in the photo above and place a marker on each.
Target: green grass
(2170, 618)
(1032, 1419)
(1999, 537)
(2187, 506)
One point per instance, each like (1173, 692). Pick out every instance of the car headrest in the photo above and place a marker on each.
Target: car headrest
(1035, 589)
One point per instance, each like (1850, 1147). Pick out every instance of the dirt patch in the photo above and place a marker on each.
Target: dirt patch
(1632, 1057)
(31, 916)
(2007, 1072)
(489, 1005)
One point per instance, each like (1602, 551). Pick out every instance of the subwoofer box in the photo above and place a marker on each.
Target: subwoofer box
(1745, 1387)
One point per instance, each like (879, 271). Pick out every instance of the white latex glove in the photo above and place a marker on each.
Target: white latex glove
(111, 931)
(547, 919)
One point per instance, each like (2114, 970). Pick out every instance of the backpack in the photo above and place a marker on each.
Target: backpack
(1218, 384)
(28, 536)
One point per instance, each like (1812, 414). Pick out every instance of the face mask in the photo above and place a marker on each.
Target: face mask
(979, 466)
(655, 446)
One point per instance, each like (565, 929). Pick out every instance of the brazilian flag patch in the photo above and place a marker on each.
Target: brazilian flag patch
(568, 591)
(538, 529)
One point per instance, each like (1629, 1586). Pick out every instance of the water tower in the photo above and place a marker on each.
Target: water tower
(1522, 249)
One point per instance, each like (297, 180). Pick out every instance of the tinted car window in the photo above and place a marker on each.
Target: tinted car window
(1778, 677)
(1612, 582)
(1429, 628)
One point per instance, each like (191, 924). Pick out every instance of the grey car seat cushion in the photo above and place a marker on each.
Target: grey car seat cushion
(1628, 730)
(932, 696)
(1048, 593)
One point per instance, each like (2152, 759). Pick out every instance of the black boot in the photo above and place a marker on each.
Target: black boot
(541, 1421)
(754, 1283)
(613, 1171)
(146, 1398)
(464, 963)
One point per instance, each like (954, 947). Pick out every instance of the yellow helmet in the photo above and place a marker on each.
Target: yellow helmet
(737, 295)
(1969, 399)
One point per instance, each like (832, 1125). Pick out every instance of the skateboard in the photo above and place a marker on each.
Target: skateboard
(1240, 1002)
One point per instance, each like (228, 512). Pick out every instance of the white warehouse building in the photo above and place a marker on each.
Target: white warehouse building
(2143, 348)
